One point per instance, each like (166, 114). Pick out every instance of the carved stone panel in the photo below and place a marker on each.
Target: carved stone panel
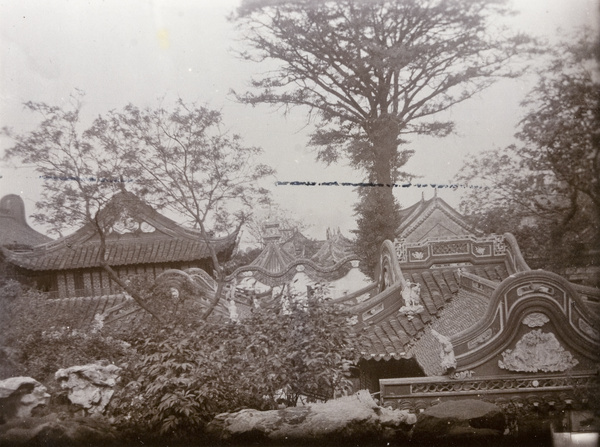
(588, 330)
(485, 336)
(535, 319)
(537, 351)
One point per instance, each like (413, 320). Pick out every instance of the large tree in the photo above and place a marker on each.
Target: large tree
(370, 72)
(547, 188)
(178, 158)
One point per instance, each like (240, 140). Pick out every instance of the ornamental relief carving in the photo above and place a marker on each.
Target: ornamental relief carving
(462, 374)
(461, 247)
(535, 288)
(535, 319)
(127, 223)
(485, 336)
(499, 245)
(418, 255)
(480, 250)
(537, 351)
(588, 330)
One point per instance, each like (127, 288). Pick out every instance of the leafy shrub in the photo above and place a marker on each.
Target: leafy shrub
(185, 376)
(43, 353)
(10, 290)
(41, 343)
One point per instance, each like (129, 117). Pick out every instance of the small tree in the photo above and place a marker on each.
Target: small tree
(79, 180)
(178, 159)
(183, 160)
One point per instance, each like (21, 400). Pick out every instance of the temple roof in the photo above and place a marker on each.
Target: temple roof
(273, 258)
(396, 336)
(334, 249)
(290, 257)
(432, 218)
(14, 230)
(138, 236)
(300, 246)
(464, 311)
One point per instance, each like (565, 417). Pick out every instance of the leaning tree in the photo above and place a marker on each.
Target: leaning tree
(369, 73)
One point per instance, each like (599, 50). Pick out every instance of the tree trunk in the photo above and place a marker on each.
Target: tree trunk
(133, 293)
(377, 211)
(384, 135)
(216, 298)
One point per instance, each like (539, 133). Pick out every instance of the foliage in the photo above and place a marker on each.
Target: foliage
(378, 221)
(182, 159)
(186, 375)
(369, 73)
(10, 290)
(40, 342)
(547, 191)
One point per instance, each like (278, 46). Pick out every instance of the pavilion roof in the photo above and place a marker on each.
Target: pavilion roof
(140, 237)
(397, 336)
(432, 218)
(14, 230)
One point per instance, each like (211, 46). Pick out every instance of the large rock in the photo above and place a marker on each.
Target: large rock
(19, 396)
(90, 386)
(459, 421)
(355, 417)
(54, 430)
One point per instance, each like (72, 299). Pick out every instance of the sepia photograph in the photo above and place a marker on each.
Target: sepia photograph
(300, 222)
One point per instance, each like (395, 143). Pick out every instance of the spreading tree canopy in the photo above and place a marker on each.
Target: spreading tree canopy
(547, 188)
(371, 72)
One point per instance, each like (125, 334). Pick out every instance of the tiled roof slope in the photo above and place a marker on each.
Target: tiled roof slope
(461, 313)
(414, 217)
(300, 246)
(14, 230)
(119, 311)
(273, 259)
(333, 250)
(126, 250)
(394, 336)
(163, 241)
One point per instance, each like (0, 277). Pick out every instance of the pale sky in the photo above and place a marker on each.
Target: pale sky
(138, 51)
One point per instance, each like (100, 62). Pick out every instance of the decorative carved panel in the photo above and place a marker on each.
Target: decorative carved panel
(450, 248)
(127, 223)
(485, 336)
(400, 247)
(499, 245)
(588, 330)
(537, 351)
(535, 319)
(533, 287)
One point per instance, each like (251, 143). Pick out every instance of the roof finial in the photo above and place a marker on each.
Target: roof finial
(435, 191)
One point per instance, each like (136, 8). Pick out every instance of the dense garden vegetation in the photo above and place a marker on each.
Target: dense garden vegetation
(175, 378)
